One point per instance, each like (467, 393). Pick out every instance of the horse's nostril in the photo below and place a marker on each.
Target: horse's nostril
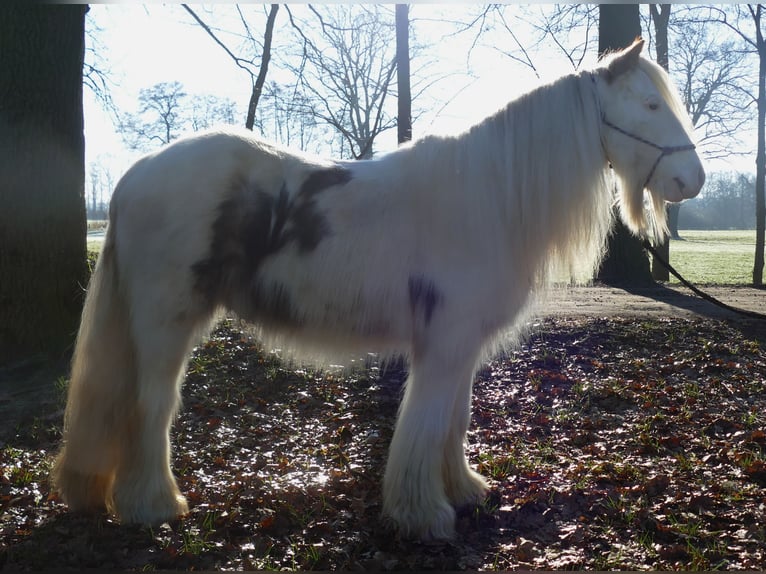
(680, 183)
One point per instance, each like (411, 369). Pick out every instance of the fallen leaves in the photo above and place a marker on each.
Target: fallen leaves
(609, 444)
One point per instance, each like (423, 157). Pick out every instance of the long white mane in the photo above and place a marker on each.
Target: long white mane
(540, 161)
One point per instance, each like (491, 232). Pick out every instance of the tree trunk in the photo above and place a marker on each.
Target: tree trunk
(760, 157)
(674, 212)
(43, 269)
(626, 262)
(255, 96)
(404, 119)
(661, 16)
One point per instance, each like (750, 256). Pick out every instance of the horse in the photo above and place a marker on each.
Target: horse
(435, 251)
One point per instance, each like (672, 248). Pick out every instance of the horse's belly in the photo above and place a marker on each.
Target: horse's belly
(299, 294)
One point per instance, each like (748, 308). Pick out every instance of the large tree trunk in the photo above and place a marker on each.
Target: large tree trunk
(404, 118)
(43, 269)
(626, 261)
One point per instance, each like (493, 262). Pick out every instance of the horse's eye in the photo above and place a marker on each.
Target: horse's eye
(653, 105)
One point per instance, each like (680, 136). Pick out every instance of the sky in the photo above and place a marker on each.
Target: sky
(146, 44)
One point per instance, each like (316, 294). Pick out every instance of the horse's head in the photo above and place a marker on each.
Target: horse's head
(646, 134)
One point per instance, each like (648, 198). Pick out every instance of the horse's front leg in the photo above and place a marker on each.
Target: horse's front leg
(414, 490)
(464, 485)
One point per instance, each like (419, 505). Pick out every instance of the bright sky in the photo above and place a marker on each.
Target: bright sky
(145, 45)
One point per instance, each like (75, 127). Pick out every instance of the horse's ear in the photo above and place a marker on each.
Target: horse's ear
(625, 61)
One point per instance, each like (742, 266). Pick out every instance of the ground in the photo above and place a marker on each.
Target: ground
(657, 301)
(626, 433)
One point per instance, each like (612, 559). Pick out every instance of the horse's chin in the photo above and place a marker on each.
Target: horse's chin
(676, 196)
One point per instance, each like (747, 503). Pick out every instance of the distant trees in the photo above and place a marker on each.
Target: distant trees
(748, 24)
(726, 203)
(166, 111)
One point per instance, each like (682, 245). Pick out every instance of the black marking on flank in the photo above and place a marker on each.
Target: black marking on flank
(424, 297)
(322, 179)
(252, 225)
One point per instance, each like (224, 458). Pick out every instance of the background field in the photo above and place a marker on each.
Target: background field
(721, 257)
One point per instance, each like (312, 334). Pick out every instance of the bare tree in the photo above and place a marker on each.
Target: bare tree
(257, 72)
(747, 22)
(568, 28)
(206, 111)
(96, 76)
(712, 73)
(101, 180)
(346, 71)
(164, 113)
(404, 96)
(282, 117)
(758, 42)
(660, 14)
(158, 120)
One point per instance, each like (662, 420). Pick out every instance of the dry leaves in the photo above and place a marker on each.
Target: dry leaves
(609, 444)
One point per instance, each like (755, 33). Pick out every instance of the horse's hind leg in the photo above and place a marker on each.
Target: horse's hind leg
(145, 490)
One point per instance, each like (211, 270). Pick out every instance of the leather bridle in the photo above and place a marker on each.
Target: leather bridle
(664, 150)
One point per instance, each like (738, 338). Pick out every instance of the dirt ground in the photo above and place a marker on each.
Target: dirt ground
(655, 301)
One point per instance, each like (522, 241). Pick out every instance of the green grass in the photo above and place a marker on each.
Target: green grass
(720, 257)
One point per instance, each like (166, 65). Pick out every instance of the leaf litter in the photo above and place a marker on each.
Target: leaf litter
(609, 443)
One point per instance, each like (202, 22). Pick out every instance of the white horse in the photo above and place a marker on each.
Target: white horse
(432, 250)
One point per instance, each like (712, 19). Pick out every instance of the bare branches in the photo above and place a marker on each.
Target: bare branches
(347, 71)
(568, 28)
(164, 113)
(248, 65)
(713, 77)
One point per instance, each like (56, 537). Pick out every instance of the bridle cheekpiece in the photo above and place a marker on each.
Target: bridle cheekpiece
(664, 150)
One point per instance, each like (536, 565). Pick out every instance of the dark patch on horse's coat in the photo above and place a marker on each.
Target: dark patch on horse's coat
(424, 297)
(322, 179)
(252, 225)
(272, 303)
(310, 227)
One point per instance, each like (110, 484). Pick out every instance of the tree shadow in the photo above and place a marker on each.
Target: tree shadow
(748, 325)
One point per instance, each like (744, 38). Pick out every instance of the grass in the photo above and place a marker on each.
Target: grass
(714, 257)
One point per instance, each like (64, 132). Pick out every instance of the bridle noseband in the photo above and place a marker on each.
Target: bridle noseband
(664, 150)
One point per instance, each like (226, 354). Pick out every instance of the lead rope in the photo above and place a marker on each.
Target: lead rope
(706, 296)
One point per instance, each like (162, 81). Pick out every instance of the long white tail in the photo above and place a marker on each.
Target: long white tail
(101, 392)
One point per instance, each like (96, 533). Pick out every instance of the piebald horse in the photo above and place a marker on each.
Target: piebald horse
(433, 250)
